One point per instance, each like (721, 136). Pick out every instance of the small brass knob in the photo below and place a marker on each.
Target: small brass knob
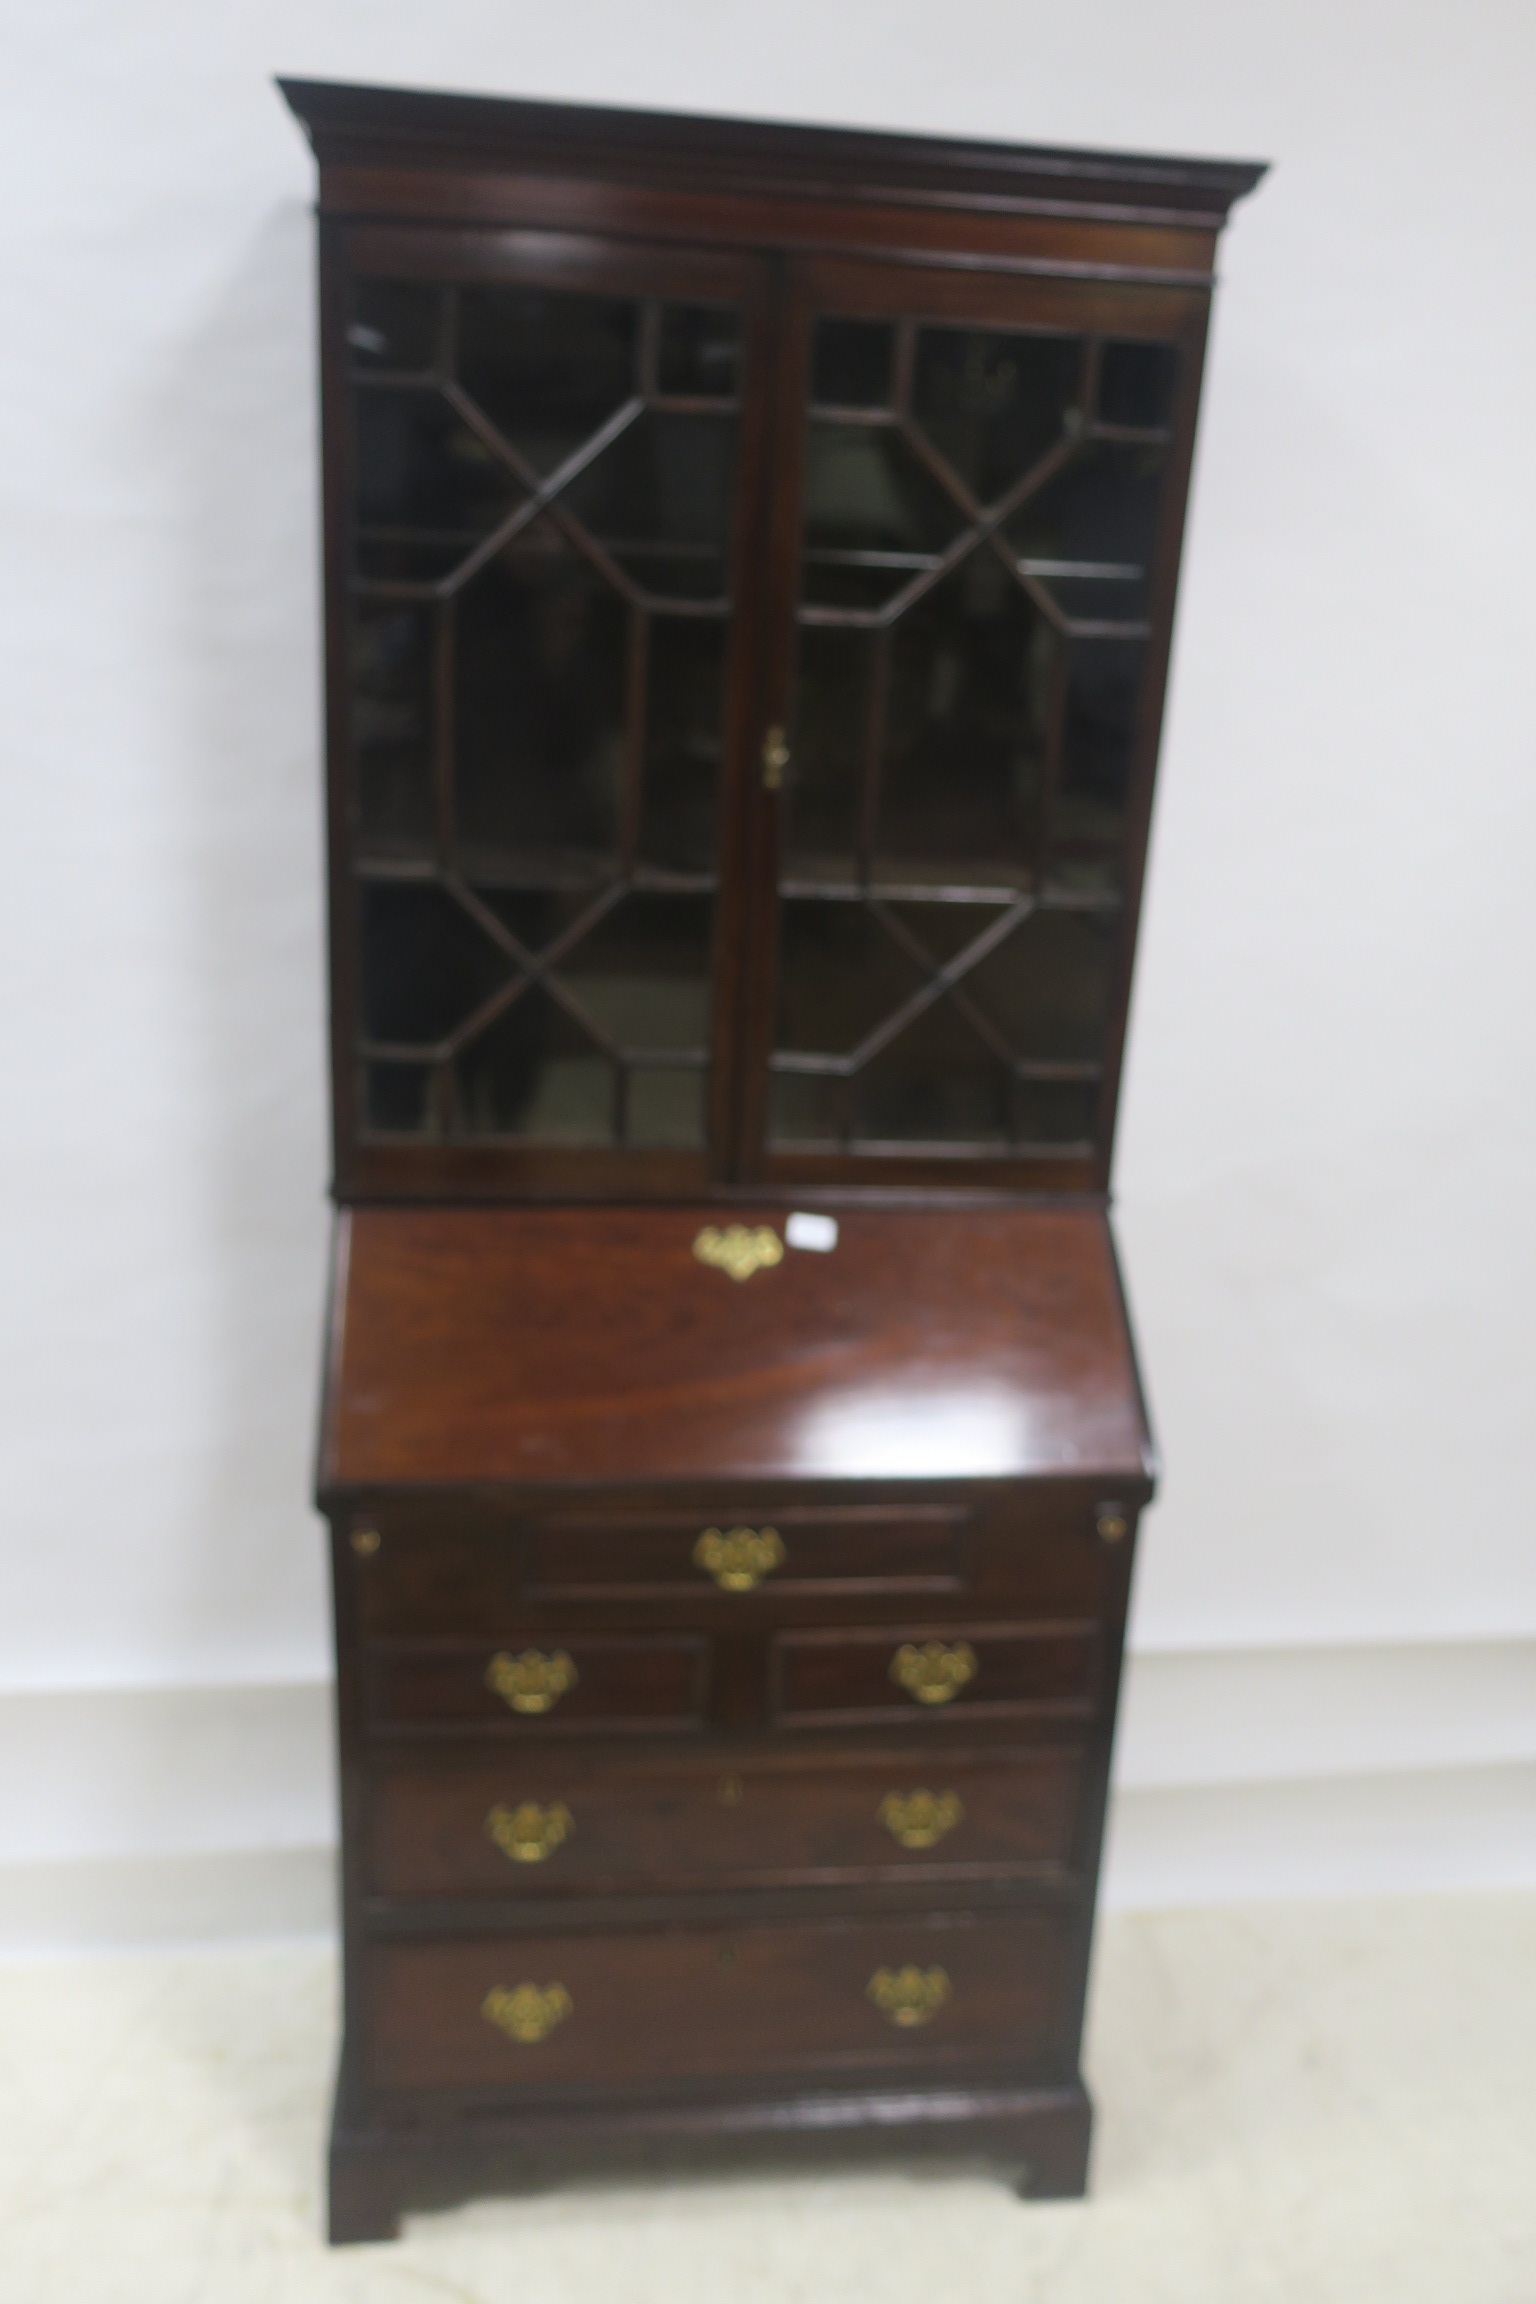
(365, 1542)
(524, 2012)
(529, 1833)
(908, 1996)
(532, 1682)
(920, 1819)
(739, 1558)
(934, 1674)
(1112, 1523)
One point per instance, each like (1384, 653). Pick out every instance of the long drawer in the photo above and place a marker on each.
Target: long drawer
(535, 2012)
(550, 1823)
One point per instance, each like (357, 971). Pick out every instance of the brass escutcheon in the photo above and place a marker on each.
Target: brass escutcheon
(739, 1558)
(934, 1674)
(532, 1682)
(524, 2013)
(365, 1542)
(740, 1250)
(908, 1996)
(920, 1819)
(529, 1833)
(1112, 1523)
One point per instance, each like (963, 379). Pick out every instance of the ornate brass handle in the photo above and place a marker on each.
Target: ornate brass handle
(740, 1250)
(529, 1833)
(934, 1674)
(908, 1996)
(525, 2013)
(532, 1682)
(920, 1819)
(739, 1558)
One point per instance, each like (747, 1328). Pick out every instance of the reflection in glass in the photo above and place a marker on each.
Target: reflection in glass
(1097, 748)
(969, 704)
(548, 369)
(535, 1074)
(700, 351)
(426, 965)
(1088, 533)
(823, 797)
(684, 723)
(853, 363)
(937, 1083)
(397, 1099)
(840, 975)
(1046, 987)
(874, 516)
(642, 973)
(666, 1108)
(1136, 383)
(994, 403)
(803, 1108)
(392, 722)
(658, 499)
(396, 325)
(539, 702)
(426, 479)
(1056, 1112)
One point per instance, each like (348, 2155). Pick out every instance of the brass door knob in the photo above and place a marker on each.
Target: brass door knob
(739, 1558)
(934, 1673)
(524, 2012)
(908, 1996)
(920, 1819)
(532, 1682)
(528, 1833)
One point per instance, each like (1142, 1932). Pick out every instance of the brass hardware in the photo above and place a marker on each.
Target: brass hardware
(529, 1833)
(531, 1682)
(934, 1674)
(908, 1996)
(730, 1791)
(1112, 1523)
(741, 1249)
(525, 2013)
(365, 1542)
(775, 759)
(739, 1558)
(920, 1819)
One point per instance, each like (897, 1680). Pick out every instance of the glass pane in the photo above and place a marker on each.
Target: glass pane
(425, 480)
(536, 1075)
(971, 674)
(942, 932)
(1056, 1111)
(539, 657)
(685, 715)
(1136, 383)
(396, 326)
(642, 973)
(937, 1083)
(874, 516)
(666, 1108)
(803, 1108)
(840, 975)
(1088, 534)
(853, 363)
(700, 351)
(659, 498)
(426, 965)
(993, 404)
(548, 370)
(1097, 745)
(392, 723)
(822, 800)
(397, 1099)
(1046, 988)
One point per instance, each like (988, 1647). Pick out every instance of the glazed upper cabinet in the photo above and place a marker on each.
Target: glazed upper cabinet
(745, 674)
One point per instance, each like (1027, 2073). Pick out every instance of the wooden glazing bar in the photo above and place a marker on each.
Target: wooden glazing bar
(873, 765)
(444, 807)
(632, 798)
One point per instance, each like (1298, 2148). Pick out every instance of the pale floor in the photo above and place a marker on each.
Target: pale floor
(1298, 2103)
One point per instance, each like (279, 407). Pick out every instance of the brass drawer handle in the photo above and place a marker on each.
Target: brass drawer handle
(934, 1674)
(532, 1682)
(908, 1996)
(920, 1819)
(740, 1250)
(525, 2013)
(529, 1833)
(739, 1558)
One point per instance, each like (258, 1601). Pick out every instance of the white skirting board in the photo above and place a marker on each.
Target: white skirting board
(164, 1814)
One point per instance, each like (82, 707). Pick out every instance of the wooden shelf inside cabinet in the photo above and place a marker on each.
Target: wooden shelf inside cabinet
(750, 565)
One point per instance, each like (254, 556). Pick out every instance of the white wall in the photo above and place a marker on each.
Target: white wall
(1326, 1152)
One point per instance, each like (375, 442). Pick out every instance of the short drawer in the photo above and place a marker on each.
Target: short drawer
(534, 2012)
(558, 1823)
(894, 1672)
(560, 1686)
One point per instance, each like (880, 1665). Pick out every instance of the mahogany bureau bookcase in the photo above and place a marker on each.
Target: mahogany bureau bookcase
(750, 563)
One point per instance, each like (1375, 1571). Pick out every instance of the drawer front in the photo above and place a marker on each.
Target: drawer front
(560, 1686)
(938, 1672)
(535, 2012)
(774, 1552)
(562, 1824)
